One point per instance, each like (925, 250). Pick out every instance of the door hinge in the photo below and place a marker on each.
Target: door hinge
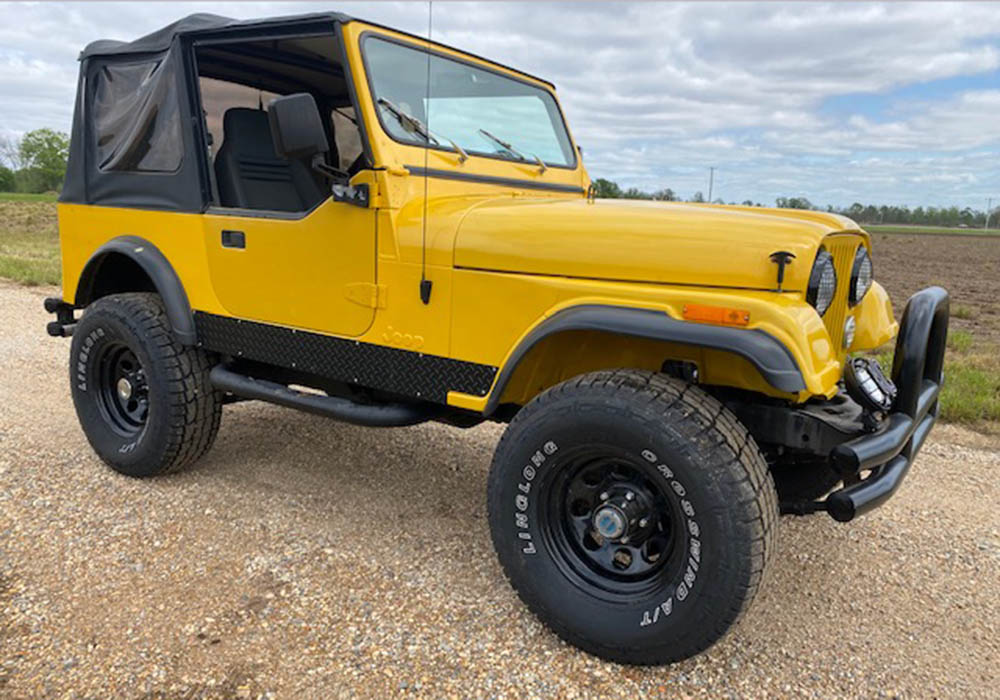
(367, 294)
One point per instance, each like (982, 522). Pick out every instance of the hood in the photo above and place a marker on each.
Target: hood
(641, 241)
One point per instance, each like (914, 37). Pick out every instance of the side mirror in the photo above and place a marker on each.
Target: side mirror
(298, 134)
(296, 127)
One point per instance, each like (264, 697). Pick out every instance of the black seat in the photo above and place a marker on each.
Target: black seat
(249, 173)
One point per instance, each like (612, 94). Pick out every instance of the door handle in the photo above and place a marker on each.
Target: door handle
(234, 239)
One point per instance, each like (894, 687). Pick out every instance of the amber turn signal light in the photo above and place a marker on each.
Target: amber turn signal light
(716, 314)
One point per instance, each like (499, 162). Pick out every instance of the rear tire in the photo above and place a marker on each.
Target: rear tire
(144, 401)
(666, 462)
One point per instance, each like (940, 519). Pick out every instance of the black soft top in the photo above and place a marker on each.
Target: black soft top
(132, 142)
(161, 39)
(206, 22)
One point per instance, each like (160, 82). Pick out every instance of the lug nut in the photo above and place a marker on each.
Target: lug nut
(629, 496)
(604, 495)
(624, 540)
(644, 522)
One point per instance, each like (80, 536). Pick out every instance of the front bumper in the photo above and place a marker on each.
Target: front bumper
(887, 454)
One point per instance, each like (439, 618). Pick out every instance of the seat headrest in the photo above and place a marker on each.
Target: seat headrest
(248, 131)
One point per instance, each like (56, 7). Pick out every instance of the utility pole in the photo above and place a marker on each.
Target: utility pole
(989, 205)
(711, 181)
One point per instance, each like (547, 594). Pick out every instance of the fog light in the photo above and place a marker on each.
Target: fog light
(868, 385)
(850, 325)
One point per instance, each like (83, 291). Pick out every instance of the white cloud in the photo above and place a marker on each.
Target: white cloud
(656, 93)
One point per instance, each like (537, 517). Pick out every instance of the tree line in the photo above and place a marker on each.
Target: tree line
(35, 162)
(862, 213)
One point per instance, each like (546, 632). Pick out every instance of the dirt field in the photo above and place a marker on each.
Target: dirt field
(967, 266)
(309, 559)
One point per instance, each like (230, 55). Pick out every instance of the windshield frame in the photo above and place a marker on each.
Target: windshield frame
(483, 65)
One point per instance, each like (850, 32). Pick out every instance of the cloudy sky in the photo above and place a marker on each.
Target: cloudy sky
(838, 102)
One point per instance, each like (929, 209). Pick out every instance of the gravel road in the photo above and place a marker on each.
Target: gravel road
(308, 559)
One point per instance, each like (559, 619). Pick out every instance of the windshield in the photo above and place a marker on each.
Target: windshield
(464, 102)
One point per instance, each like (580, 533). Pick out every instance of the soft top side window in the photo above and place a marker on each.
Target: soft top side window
(136, 117)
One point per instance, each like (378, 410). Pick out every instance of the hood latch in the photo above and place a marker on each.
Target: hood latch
(781, 258)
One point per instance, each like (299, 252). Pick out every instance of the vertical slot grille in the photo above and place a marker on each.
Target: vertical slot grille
(842, 247)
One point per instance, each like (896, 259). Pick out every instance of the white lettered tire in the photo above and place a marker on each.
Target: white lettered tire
(144, 401)
(633, 514)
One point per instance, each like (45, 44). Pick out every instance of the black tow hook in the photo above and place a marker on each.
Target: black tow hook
(64, 324)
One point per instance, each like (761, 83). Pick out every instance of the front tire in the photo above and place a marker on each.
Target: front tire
(633, 514)
(144, 401)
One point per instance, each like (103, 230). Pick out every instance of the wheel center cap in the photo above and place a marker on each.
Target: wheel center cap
(610, 522)
(124, 389)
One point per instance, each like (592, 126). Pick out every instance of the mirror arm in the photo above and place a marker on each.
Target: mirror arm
(341, 187)
(328, 171)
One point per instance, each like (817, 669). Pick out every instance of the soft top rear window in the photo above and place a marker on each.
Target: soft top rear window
(136, 117)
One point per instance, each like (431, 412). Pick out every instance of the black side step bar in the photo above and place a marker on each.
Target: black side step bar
(375, 415)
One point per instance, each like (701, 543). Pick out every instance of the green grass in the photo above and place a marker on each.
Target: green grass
(933, 230)
(959, 340)
(29, 242)
(971, 392)
(25, 197)
(964, 312)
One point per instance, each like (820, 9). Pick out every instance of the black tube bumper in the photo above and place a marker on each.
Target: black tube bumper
(917, 372)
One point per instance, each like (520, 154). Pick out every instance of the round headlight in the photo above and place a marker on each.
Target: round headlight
(822, 282)
(861, 275)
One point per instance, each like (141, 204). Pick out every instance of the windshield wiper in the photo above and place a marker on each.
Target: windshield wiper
(513, 151)
(503, 144)
(411, 123)
(407, 121)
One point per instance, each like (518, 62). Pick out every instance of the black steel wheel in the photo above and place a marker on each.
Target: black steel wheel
(122, 390)
(633, 514)
(610, 525)
(144, 401)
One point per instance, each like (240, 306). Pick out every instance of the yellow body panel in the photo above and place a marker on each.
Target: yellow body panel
(83, 229)
(502, 258)
(875, 322)
(300, 272)
(661, 242)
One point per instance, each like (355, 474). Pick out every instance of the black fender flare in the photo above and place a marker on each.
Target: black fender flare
(765, 352)
(168, 285)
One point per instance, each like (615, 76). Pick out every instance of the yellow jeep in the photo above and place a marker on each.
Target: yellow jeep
(339, 217)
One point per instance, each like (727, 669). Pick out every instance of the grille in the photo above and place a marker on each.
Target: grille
(842, 247)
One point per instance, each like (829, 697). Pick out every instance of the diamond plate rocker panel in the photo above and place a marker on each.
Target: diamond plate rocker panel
(404, 372)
